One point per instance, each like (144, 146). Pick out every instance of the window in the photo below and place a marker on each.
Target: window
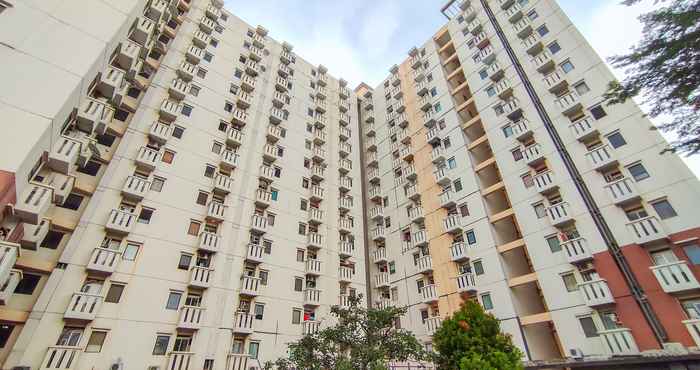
(638, 172)
(433, 91)
(457, 185)
(507, 131)
(263, 275)
(27, 284)
(664, 209)
(570, 282)
(186, 110)
(483, 74)
(214, 42)
(114, 293)
(201, 73)
(130, 252)
(517, 154)
(193, 229)
(527, 180)
(478, 267)
(554, 244)
(253, 349)
(437, 108)
(616, 140)
(259, 311)
(464, 210)
(72, 202)
(303, 205)
(209, 171)
(298, 284)
(598, 112)
(588, 326)
(540, 210)
(52, 239)
(91, 168)
(202, 198)
(296, 316)
(471, 237)
(554, 47)
(168, 156)
(532, 15)
(486, 302)
(185, 261)
(392, 267)
(209, 364)
(178, 132)
(451, 163)
(693, 252)
(300, 255)
(228, 106)
(302, 229)
(157, 184)
(97, 339)
(161, 346)
(567, 66)
(5, 331)
(581, 88)
(145, 215)
(543, 30)
(208, 57)
(173, 301)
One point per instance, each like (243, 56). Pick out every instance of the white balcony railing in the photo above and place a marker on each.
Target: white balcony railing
(675, 277)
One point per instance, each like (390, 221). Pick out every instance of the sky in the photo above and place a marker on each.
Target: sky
(364, 38)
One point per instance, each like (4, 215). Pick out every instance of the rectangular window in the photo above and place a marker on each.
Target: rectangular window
(693, 253)
(97, 339)
(582, 88)
(168, 156)
(638, 172)
(193, 229)
(157, 184)
(664, 209)
(259, 311)
(202, 198)
(27, 284)
(114, 293)
(145, 215)
(588, 327)
(194, 90)
(161, 346)
(130, 252)
(553, 242)
(616, 140)
(263, 275)
(457, 185)
(186, 110)
(486, 302)
(464, 210)
(527, 181)
(253, 349)
(296, 316)
(540, 210)
(178, 131)
(471, 237)
(185, 261)
(173, 301)
(478, 267)
(298, 284)
(570, 282)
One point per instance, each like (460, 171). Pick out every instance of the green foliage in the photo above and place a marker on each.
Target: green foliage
(361, 339)
(472, 340)
(664, 69)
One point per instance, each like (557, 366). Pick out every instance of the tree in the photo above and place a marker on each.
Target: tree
(664, 68)
(362, 339)
(472, 340)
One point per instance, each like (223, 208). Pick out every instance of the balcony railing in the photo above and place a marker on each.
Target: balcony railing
(103, 260)
(545, 182)
(250, 285)
(425, 264)
(34, 203)
(315, 240)
(208, 241)
(243, 323)
(675, 277)
(255, 253)
(576, 250)
(560, 214)
(429, 293)
(313, 267)
(646, 230)
(622, 191)
(381, 280)
(619, 341)
(83, 306)
(120, 222)
(601, 158)
(458, 251)
(345, 274)
(61, 357)
(312, 297)
(310, 327)
(432, 324)
(191, 317)
(465, 282)
(596, 293)
(452, 224)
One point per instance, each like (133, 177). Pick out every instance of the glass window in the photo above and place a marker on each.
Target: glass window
(540, 210)
(186, 110)
(527, 180)
(554, 47)
(193, 229)
(598, 112)
(570, 282)
(5, 332)
(259, 311)
(157, 184)
(202, 198)
(296, 316)
(173, 301)
(478, 267)
(616, 140)
(185, 261)
(457, 185)
(693, 253)
(178, 132)
(581, 88)
(114, 293)
(567, 66)
(486, 301)
(130, 252)
(27, 284)
(507, 131)
(298, 284)
(664, 209)
(97, 339)
(253, 349)
(471, 237)
(483, 74)
(543, 30)
(517, 154)
(588, 326)
(554, 244)
(451, 163)
(168, 156)
(161, 346)
(490, 91)
(638, 172)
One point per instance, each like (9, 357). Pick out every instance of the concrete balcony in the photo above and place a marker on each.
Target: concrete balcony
(169, 110)
(319, 136)
(371, 128)
(239, 116)
(194, 54)
(61, 358)
(602, 158)
(693, 326)
(250, 286)
(128, 54)
(207, 25)
(191, 318)
(312, 297)
(344, 133)
(94, 116)
(533, 154)
(442, 176)
(429, 118)
(316, 193)
(135, 188)
(314, 240)
(343, 106)
(344, 301)
(419, 238)
(237, 361)
(345, 225)
(373, 175)
(675, 277)
(560, 214)
(619, 342)
(345, 274)
(412, 192)
(222, 184)
(375, 193)
(243, 323)
(143, 30)
(425, 102)
(379, 256)
(34, 202)
(381, 280)
(432, 324)
(270, 152)
(466, 283)
(376, 213)
(286, 57)
(216, 211)
(284, 70)
(622, 191)
(422, 87)
(646, 230)
(344, 119)
(208, 241)
(258, 224)
(255, 253)
(243, 101)
(9, 252)
(416, 214)
(543, 61)
(452, 224)
(110, 83)
(258, 39)
(66, 152)
(383, 304)
(263, 198)
(120, 222)
(458, 252)
(83, 307)
(346, 249)
(344, 149)
(378, 233)
(433, 135)
(596, 293)
(522, 129)
(569, 103)
(178, 89)
(321, 105)
(200, 39)
(584, 128)
(409, 172)
(201, 277)
(429, 294)
(576, 250)
(229, 159)
(315, 216)
(248, 83)
(103, 261)
(318, 154)
(545, 182)
(511, 107)
(160, 132)
(34, 234)
(345, 183)
(186, 70)
(425, 265)
(437, 155)
(344, 166)
(310, 327)
(555, 81)
(9, 285)
(282, 84)
(267, 173)
(495, 71)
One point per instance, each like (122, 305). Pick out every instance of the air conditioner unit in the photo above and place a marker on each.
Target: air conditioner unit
(576, 353)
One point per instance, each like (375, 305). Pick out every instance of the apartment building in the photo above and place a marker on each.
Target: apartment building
(182, 191)
(496, 173)
(179, 190)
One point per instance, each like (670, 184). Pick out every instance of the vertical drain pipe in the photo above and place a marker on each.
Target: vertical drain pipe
(363, 178)
(593, 209)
